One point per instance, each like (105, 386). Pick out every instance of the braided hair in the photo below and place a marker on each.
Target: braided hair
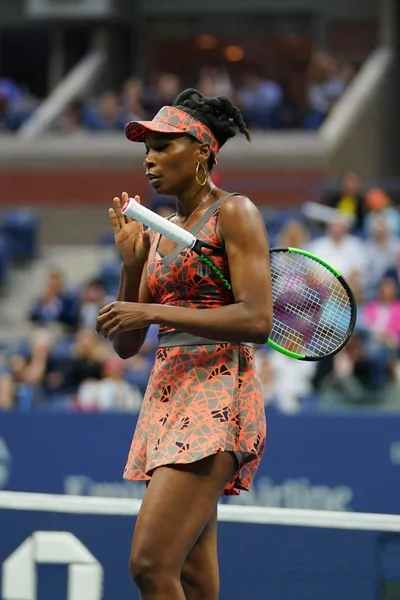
(222, 117)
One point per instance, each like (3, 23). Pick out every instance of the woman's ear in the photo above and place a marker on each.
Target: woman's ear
(204, 152)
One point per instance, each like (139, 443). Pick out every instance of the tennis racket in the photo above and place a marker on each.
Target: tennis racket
(314, 310)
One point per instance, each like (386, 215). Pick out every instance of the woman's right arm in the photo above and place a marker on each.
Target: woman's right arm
(133, 245)
(132, 288)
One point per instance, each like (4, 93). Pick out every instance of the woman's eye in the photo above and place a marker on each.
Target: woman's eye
(160, 148)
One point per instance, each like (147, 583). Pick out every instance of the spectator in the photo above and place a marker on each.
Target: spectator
(294, 234)
(71, 120)
(378, 202)
(382, 249)
(11, 91)
(94, 296)
(325, 86)
(106, 115)
(138, 367)
(345, 252)
(349, 378)
(259, 100)
(394, 271)
(23, 382)
(163, 92)
(112, 392)
(285, 381)
(381, 317)
(7, 395)
(55, 305)
(346, 73)
(349, 200)
(215, 82)
(266, 375)
(13, 116)
(132, 99)
(87, 358)
(17, 105)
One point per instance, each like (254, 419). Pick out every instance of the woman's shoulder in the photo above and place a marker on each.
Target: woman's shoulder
(234, 203)
(240, 210)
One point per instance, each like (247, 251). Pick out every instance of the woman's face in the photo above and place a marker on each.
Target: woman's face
(171, 161)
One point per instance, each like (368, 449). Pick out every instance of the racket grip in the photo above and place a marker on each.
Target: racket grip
(135, 210)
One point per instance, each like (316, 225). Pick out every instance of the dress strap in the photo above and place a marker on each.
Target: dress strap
(210, 211)
(167, 260)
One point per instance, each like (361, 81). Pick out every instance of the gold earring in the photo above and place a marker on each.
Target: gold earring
(197, 174)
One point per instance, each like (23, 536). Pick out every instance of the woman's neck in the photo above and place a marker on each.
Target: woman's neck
(188, 201)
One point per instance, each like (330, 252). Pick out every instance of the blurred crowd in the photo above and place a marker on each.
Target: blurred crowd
(361, 238)
(265, 103)
(63, 360)
(62, 363)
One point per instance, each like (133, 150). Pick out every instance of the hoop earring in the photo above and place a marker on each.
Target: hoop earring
(201, 184)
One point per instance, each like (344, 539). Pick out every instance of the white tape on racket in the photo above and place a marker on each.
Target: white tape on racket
(148, 217)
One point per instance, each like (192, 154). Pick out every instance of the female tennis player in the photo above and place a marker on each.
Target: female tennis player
(201, 430)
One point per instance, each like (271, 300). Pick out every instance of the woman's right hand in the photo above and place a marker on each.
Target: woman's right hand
(133, 243)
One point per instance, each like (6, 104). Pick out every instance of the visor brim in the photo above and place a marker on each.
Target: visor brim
(135, 131)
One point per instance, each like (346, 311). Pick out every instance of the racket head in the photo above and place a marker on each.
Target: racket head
(314, 309)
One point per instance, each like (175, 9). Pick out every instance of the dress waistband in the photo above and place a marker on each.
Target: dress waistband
(181, 338)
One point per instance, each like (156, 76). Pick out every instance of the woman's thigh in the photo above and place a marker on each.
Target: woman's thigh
(178, 504)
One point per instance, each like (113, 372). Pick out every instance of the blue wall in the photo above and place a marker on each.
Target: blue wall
(338, 462)
(269, 562)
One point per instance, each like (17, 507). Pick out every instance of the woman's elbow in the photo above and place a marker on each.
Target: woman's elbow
(262, 329)
(123, 353)
(125, 350)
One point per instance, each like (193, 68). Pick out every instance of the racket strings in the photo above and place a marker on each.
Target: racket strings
(312, 310)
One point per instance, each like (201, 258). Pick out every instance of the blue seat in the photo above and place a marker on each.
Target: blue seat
(5, 258)
(57, 402)
(109, 275)
(21, 228)
(61, 350)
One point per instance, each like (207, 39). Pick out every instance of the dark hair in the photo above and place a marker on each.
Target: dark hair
(219, 114)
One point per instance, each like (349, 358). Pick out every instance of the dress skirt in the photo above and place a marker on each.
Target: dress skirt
(200, 400)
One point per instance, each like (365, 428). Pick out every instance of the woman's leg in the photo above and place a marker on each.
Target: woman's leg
(178, 505)
(200, 573)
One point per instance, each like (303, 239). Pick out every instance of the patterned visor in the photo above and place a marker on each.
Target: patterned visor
(172, 120)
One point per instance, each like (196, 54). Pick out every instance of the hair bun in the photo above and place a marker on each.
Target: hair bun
(218, 114)
(190, 96)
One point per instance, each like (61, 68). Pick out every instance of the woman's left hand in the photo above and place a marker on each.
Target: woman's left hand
(122, 316)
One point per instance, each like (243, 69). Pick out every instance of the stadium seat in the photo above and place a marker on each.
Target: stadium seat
(61, 350)
(21, 228)
(109, 275)
(57, 403)
(5, 258)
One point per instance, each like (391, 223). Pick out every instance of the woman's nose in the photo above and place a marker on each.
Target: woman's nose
(149, 160)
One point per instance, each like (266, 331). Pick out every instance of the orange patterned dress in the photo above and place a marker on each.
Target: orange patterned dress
(203, 396)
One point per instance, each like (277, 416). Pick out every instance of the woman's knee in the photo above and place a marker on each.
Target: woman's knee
(149, 572)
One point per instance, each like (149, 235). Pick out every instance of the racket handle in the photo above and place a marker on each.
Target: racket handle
(148, 217)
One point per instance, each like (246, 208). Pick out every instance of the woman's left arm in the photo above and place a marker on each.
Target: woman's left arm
(249, 318)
